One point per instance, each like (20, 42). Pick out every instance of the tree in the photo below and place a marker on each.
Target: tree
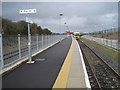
(33, 28)
(8, 27)
(21, 27)
(46, 31)
(40, 31)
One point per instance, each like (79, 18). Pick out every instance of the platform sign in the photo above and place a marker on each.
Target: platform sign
(27, 11)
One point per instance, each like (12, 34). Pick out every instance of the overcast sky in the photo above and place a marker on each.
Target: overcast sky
(79, 16)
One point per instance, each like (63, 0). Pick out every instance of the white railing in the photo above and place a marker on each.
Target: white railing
(112, 43)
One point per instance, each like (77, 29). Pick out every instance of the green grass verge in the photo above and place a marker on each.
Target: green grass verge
(105, 49)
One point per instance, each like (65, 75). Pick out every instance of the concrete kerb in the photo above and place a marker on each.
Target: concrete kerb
(12, 67)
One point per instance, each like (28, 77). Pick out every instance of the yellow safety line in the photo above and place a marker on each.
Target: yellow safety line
(61, 81)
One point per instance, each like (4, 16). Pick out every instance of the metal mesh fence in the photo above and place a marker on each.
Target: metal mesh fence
(24, 46)
(106, 31)
(15, 48)
(10, 48)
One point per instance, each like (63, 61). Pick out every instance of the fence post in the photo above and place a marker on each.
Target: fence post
(111, 42)
(37, 41)
(42, 41)
(103, 41)
(1, 52)
(118, 44)
(19, 46)
(106, 42)
(47, 40)
(52, 39)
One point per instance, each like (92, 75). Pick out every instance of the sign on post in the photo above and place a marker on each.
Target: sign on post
(27, 11)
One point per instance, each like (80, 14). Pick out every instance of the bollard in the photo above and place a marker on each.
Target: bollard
(19, 46)
(1, 52)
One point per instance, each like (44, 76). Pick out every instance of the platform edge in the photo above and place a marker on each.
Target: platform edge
(84, 68)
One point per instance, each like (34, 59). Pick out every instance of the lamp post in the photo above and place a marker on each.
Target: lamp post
(112, 29)
(66, 26)
(66, 29)
(61, 14)
(102, 27)
(95, 28)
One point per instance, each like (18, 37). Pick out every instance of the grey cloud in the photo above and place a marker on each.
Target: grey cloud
(80, 16)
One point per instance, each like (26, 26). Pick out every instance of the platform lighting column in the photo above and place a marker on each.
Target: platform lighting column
(61, 14)
(66, 27)
(111, 31)
(102, 29)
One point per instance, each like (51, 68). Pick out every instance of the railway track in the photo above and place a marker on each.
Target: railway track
(14, 55)
(101, 75)
(16, 52)
(92, 77)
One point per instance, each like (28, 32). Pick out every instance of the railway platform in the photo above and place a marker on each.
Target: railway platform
(60, 66)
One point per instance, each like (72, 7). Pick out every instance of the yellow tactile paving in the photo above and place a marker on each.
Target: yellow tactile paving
(61, 81)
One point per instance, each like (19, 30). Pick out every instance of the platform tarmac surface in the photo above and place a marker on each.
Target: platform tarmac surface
(41, 74)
